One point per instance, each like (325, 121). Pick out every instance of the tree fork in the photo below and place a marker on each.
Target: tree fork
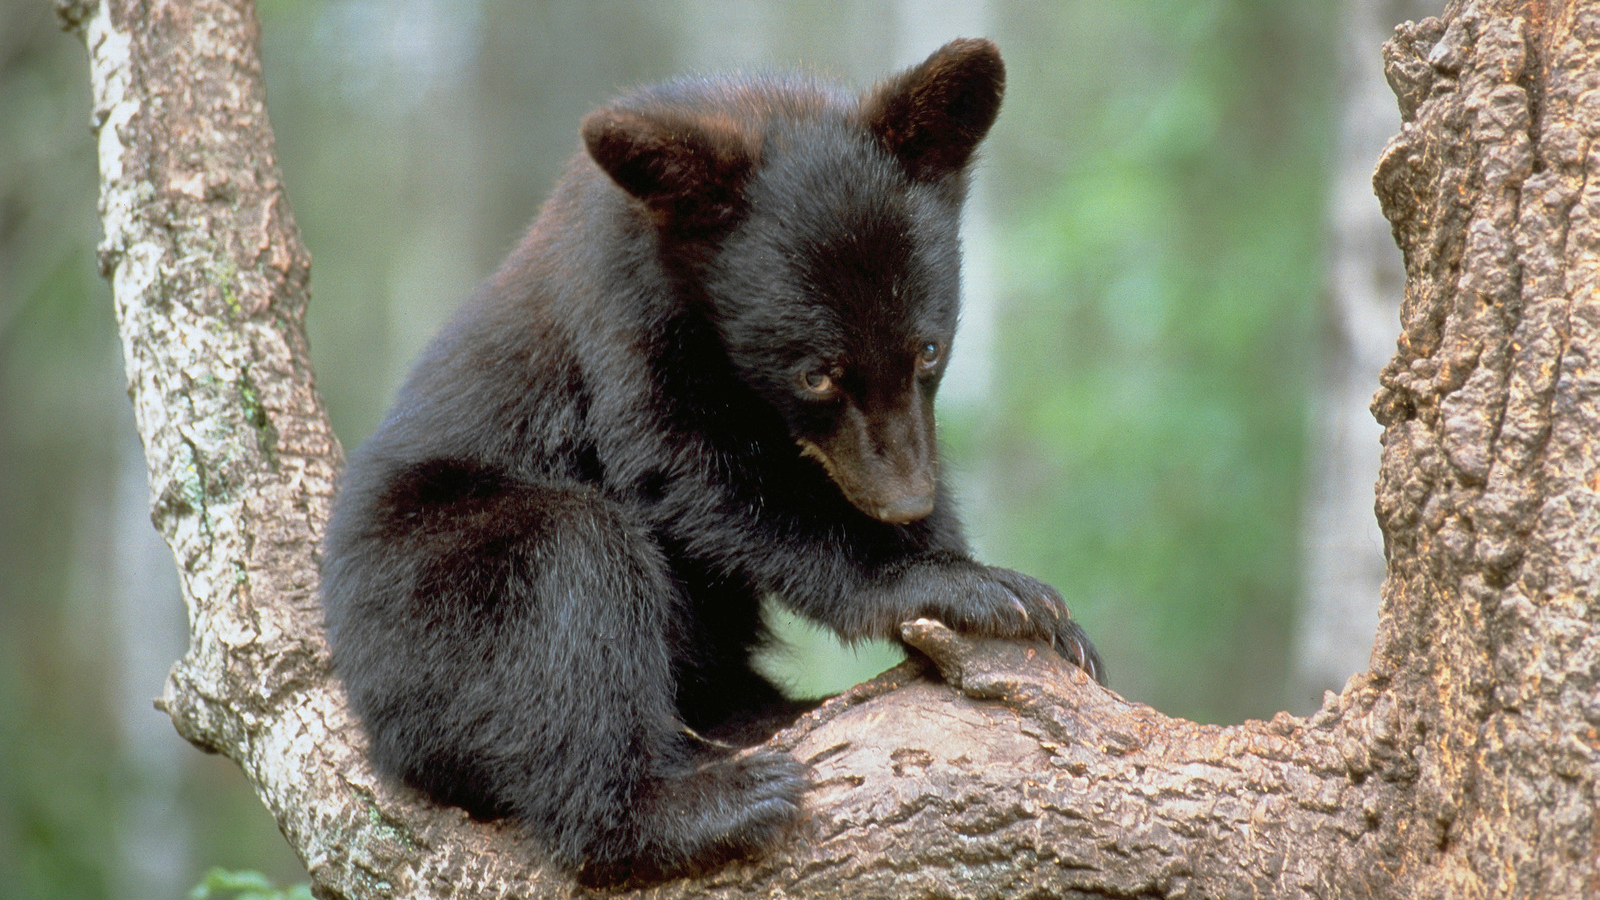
(1462, 764)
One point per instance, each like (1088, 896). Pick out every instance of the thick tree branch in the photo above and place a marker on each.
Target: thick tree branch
(1463, 764)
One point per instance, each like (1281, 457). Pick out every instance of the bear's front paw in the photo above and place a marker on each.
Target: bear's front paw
(995, 602)
(1076, 647)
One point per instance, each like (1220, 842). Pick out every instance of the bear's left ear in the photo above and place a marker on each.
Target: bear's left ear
(932, 116)
(688, 169)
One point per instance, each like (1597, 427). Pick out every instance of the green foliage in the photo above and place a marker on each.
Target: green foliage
(1161, 345)
(222, 884)
(808, 660)
(57, 355)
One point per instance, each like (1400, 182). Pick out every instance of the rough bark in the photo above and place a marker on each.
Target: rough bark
(1463, 764)
(1491, 409)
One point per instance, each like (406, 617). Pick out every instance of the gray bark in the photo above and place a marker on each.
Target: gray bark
(1462, 764)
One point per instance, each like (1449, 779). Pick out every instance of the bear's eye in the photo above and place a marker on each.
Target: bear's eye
(929, 356)
(820, 383)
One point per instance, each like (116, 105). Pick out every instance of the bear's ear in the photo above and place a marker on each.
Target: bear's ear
(932, 116)
(689, 170)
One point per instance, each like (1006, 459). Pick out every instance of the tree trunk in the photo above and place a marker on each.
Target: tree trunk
(1491, 410)
(1463, 764)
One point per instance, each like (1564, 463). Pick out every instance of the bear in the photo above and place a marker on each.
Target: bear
(705, 377)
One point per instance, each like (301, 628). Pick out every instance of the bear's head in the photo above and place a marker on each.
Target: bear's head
(826, 233)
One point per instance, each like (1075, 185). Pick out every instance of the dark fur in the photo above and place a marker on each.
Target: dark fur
(706, 375)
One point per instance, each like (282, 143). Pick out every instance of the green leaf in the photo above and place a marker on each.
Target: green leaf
(253, 885)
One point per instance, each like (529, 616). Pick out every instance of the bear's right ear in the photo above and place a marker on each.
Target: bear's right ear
(932, 116)
(686, 170)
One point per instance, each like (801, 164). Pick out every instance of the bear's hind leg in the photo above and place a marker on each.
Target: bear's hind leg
(511, 648)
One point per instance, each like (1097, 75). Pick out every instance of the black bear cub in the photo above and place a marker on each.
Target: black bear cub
(706, 376)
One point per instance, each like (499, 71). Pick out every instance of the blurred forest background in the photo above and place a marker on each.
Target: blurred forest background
(1179, 293)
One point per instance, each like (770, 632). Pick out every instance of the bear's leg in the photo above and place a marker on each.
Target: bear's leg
(532, 673)
(648, 797)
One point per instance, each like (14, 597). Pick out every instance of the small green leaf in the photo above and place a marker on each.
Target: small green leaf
(254, 885)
